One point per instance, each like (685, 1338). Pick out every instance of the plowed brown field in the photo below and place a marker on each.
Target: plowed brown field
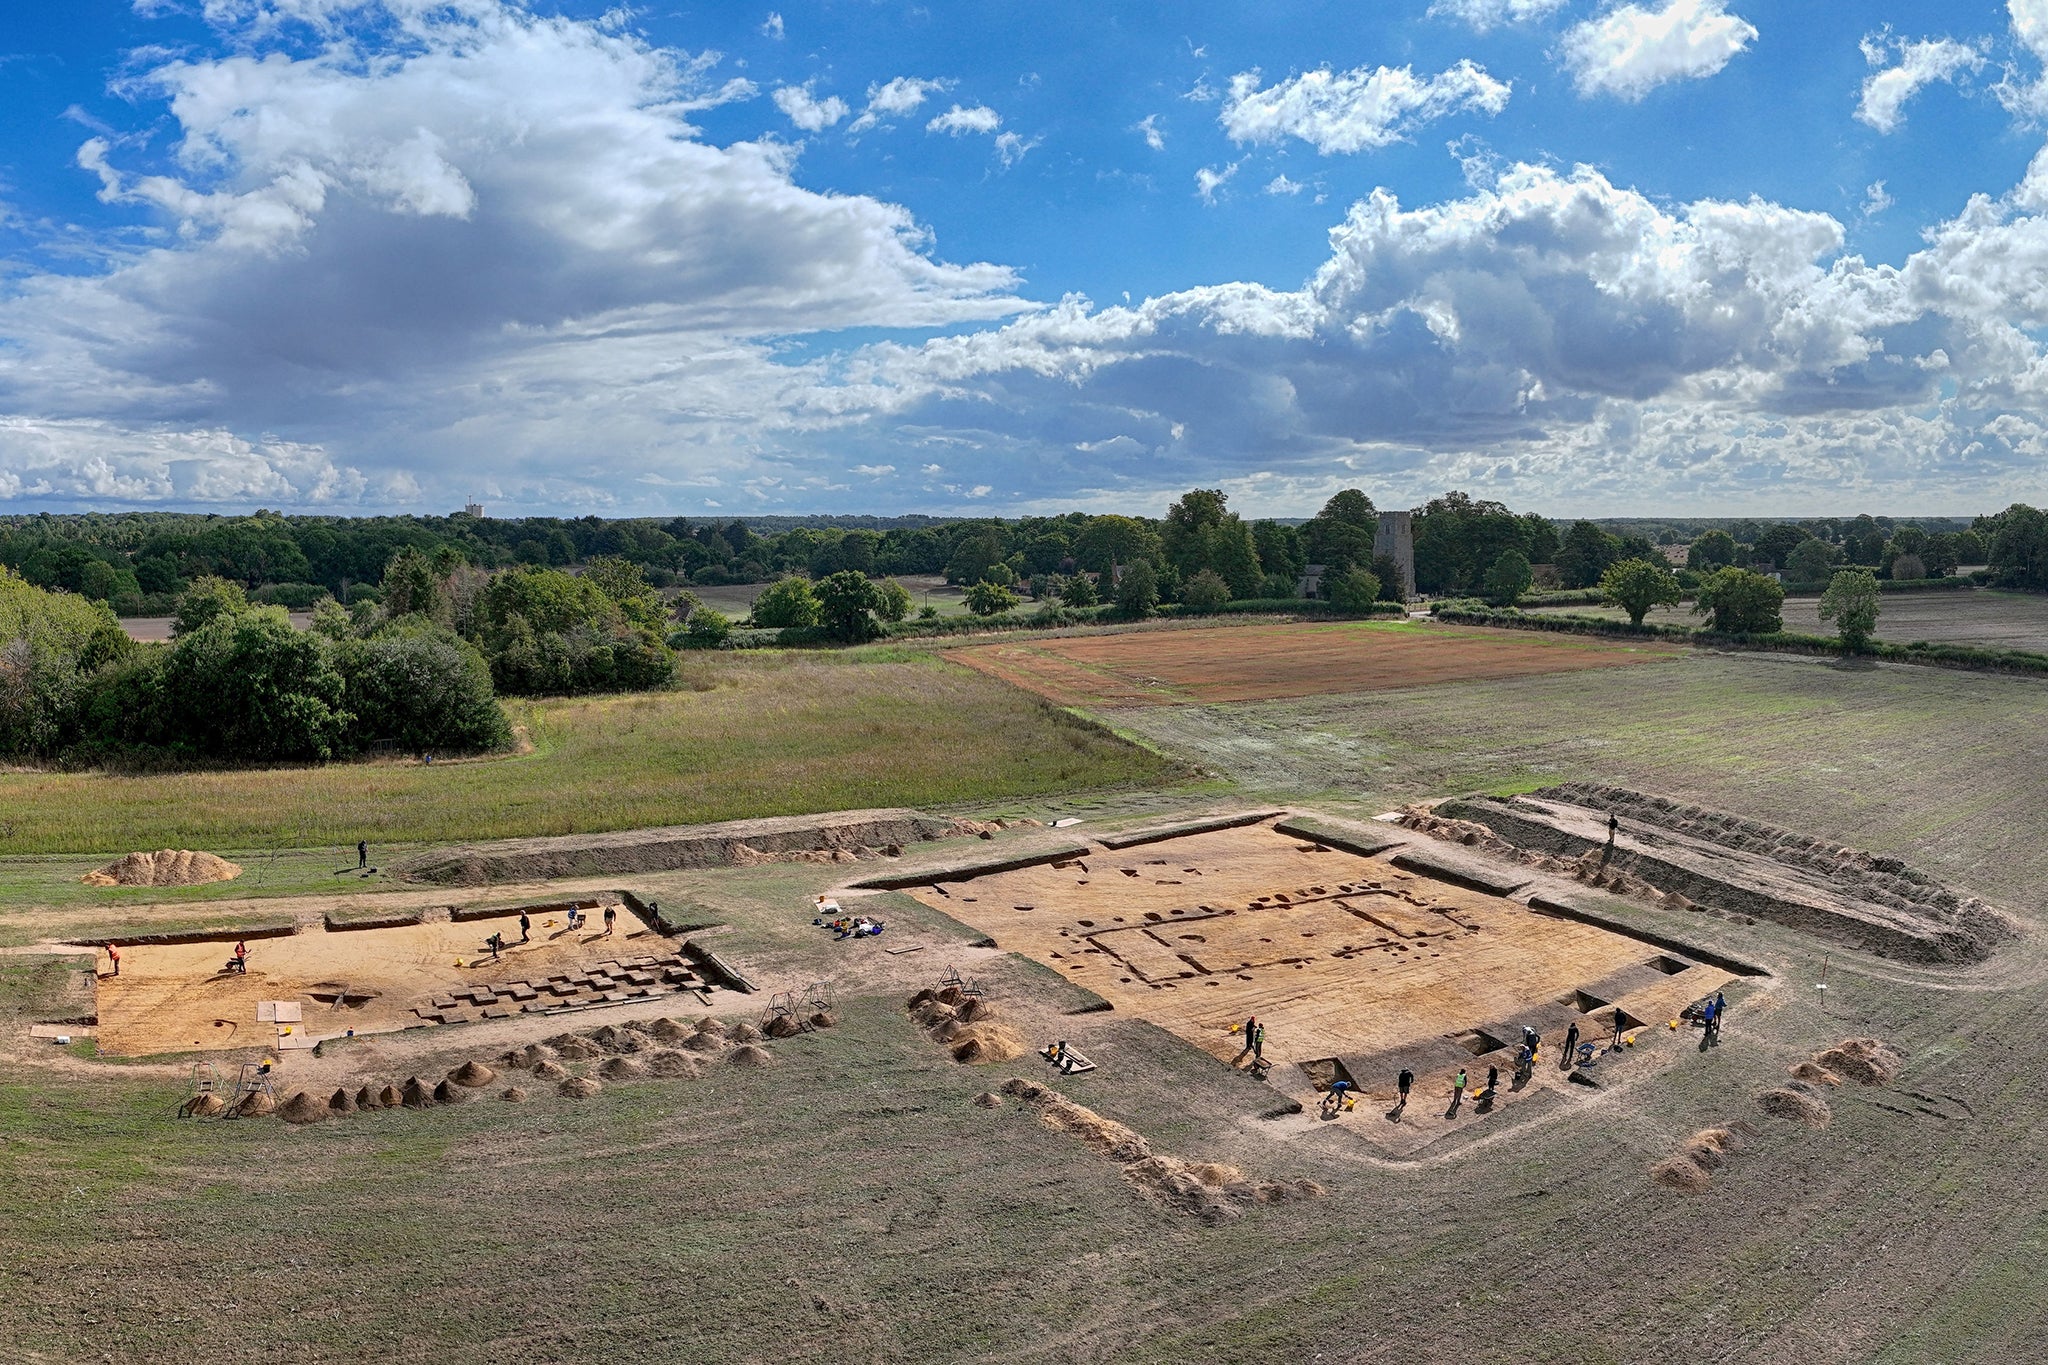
(1263, 662)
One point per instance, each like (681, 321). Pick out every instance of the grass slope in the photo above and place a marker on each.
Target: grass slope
(749, 735)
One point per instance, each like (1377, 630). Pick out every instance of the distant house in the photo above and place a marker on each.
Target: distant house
(1311, 585)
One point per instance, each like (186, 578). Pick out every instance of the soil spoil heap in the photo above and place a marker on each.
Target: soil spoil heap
(302, 1108)
(166, 867)
(475, 1075)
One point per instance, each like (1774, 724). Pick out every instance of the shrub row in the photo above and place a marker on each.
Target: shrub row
(1918, 652)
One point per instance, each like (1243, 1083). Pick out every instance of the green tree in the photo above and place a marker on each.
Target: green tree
(709, 628)
(1908, 566)
(206, 599)
(1206, 591)
(1340, 535)
(847, 602)
(1711, 551)
(626, 584)
(331, 619)
(1851, 602)
(1810, 561)
(1137, 592)
(98, 581)
(1078, 591)
(1352, 590)
(785, 603)
(1741, 602)
(990, 599)
(1585, 554)
(410, 584)
(1636, 585)
(1114, 540)
(1509, 578)
(424, 689)
(896, 603)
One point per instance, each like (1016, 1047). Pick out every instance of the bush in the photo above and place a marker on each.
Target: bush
(784, 603)
(1137, 592)
(1742, 602)
(291, 596)
(1851, 603)
(990, 599)
(1509, 578)
(1206, 591)
(424, 689)
(708, 629)
(1078, 591)
(1352, 591)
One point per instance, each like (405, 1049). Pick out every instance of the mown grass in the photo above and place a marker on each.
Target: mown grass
(745, 736)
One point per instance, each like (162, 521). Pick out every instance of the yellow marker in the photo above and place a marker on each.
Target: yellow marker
(458, 962)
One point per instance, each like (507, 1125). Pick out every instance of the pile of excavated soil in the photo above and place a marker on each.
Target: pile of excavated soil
(988, 1099)
(748, 1054)
(447, 1092)
(704, 1042)
(978, 1044)
(782, 1026)
(1210, 1190)
(711, 1023)
(1866, 1061)
(549, 1071)
(390, 1097)
(1691, 1169)
(166, 867)
(205, 1106)
(301, 1108)
(824, 1019)
(1676, 1173)
(669, 1062)
(514, 1094)
(341, 1102)
(622, 1069)
(1798, 1105)
(974, 1011)
(366, 1098)
(580, 1087)
(530, 1056)
(671, 1030)
(416, 1095)
(1813, 1074)
(574, 1049)
(617, 1040)
(256, 1104)
(475, 1075)
(743, 1033)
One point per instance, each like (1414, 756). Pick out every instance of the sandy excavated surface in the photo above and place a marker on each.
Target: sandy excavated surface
(1260, 663)
(1339, 956)
(174, 997)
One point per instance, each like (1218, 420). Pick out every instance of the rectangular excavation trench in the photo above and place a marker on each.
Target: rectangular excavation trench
(1341, 956)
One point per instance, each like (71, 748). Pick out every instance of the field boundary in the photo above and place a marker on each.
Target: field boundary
(960, 872)
(1159, 833)
(1548, 904)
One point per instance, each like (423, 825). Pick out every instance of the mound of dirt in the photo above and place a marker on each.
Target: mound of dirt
(1677, 1173)
(922, 997)
(390, 1097)
(1814, 1074)
(205, 1106)
(301, 1108)
(671, 1063)
(616, 1040)
(782, 1026)
(951, 995)
(475, 1075)
(743, 1033)
(256, 1104)
(749, 1054)
(988, 1099)
(980, 1043)
(671, 1030)
(366, 1098)
(416, 1095)
(933, 1012)
(447, 1092)
(1796, 1105)
(640, 1025)
(974, 1011)
(704, 1042)
(824, 1019)
(549, 1071)
(711, 1023)
(946, 1030)
(574, 1049)
(514, 1094)
(341, 1102)
(579, 1087)
(1866, 1061)
(166, 867)
(622, 1069)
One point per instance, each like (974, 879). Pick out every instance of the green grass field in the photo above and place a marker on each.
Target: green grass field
(748, 735)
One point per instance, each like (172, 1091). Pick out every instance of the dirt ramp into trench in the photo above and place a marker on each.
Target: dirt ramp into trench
(846, 836)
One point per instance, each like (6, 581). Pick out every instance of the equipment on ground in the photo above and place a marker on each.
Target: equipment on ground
(1065, 1059)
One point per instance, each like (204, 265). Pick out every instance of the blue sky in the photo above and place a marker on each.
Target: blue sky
(1688, 256)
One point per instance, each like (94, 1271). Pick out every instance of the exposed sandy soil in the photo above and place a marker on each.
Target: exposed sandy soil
(1265, 662)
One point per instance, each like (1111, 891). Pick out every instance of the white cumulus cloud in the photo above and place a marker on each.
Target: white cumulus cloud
(1148, 128)
(1486, 15)
(1918, 64)
(808, 112)
(895, 97)
(1350, 111)
(1629, 51)
(958, 121)
(1210, 179)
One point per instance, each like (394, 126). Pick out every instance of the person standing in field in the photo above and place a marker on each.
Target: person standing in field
(115, 953)
(525, 927)
(1258, 1046)
(1404, 1083)
(1251, 1029)
(1457, 1091)
(362, 853)
(610, 915)
(1571, 1046)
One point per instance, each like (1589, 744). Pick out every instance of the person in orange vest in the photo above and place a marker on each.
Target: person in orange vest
(115, 954)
